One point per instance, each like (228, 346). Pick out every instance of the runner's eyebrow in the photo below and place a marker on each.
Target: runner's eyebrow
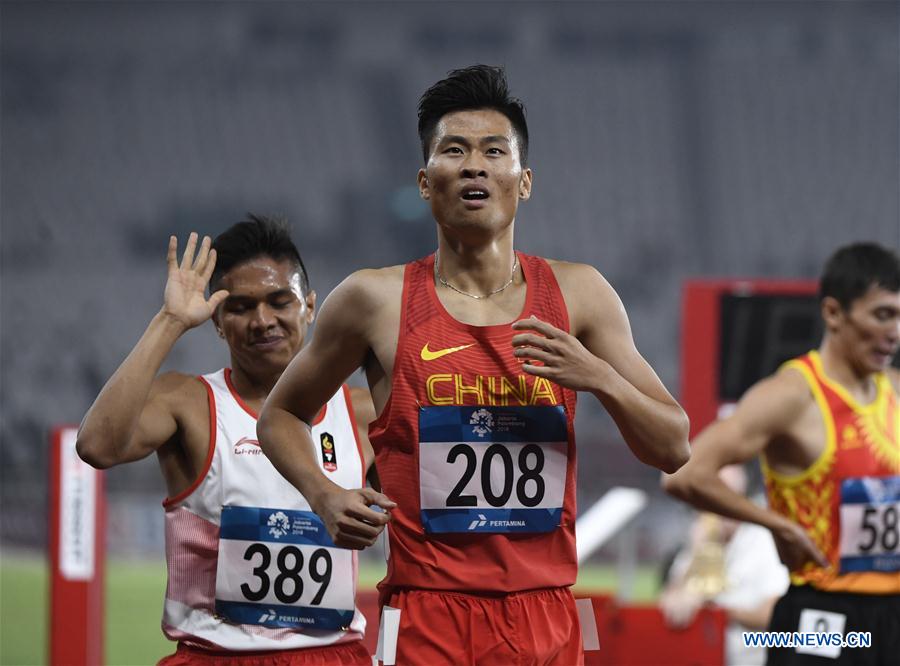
(279, 293)
(241, 298)
(458, 138)
(454, 138)
(238, 299)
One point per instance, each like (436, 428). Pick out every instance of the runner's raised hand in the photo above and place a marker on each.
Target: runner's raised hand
(185, 294)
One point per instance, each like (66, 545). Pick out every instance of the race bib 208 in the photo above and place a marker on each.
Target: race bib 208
(492, 469)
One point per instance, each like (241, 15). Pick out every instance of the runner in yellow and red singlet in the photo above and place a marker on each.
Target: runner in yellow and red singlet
(474, 355)
(827, 429)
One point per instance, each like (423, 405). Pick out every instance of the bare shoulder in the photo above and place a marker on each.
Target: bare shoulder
(589, 297)
(181, 394)
(780, 398)
(355, 315)
(369, 279)
(179, 385)
(573, 274)
(369, 288)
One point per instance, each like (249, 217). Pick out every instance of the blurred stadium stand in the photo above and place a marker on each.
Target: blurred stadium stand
(669, 140)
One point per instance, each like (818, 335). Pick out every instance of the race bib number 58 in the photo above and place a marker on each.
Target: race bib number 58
(279, 568)
(870, 524)
(492, 469)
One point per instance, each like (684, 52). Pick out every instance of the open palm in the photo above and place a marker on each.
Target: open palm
(185, 297)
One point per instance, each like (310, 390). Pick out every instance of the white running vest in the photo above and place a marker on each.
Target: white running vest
(250, 566)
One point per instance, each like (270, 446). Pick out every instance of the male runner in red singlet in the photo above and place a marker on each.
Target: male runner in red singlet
(253, 578)
(826, 427)
(474, 355)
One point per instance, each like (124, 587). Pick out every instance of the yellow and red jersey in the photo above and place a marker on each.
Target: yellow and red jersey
(478, 454)
(849, 498)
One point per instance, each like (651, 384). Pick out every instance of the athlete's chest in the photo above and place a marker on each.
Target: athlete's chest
(851, 441)
(268, 534)
(431, 337)
(495, 310)
(443, 367)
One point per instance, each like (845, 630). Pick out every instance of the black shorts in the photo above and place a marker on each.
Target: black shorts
(826, 611)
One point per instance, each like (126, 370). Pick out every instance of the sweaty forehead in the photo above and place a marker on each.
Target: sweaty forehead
(475, 124)
(261, 275)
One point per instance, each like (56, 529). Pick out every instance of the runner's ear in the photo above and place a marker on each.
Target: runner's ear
(424, 187)
(525, 184)
(310, 301)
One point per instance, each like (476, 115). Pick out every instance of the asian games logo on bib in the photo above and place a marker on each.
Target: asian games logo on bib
(482, 421)
(278, 524)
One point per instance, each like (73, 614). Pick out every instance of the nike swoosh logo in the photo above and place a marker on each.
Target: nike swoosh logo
(428, 355)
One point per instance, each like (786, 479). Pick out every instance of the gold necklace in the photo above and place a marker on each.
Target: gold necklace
(512, 275)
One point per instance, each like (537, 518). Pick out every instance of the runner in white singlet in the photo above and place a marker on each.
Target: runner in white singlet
(252, 571)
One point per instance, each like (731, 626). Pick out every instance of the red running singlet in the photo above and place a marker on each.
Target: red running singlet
(478, 454)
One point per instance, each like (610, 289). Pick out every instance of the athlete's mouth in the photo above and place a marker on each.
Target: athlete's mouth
(474, 193)
(888, 348)
(267, 342)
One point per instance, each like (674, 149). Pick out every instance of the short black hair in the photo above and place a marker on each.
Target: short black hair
(256, 236)
(853, 269)
(475, 87)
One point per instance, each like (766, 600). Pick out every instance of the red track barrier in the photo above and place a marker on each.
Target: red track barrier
(77, 555)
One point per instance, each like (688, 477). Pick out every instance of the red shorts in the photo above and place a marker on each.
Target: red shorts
(352, 653)
(534, 627)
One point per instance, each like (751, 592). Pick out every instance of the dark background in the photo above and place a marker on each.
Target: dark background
(669, 140)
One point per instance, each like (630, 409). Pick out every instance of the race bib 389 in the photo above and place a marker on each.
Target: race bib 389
(279, 568)
(492, 469)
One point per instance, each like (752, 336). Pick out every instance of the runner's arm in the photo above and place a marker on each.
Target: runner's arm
(763, 414)
(600, 356)
(134, 414)
(339, 346)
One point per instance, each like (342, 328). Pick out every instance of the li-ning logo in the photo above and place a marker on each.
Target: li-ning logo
(266, 617)
(278, 524)
(481, 421)
(480, 522)
(248, 447)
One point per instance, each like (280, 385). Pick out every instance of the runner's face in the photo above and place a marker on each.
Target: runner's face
(474, 177)
(265, 317)
(871, 328)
